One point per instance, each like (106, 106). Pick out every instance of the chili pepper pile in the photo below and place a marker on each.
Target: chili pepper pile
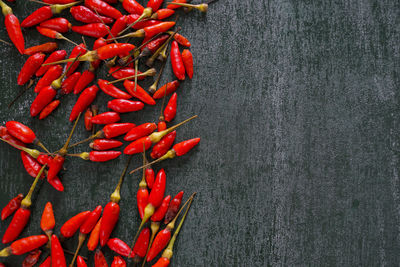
(125, 43)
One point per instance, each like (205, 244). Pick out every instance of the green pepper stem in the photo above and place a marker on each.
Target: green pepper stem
(81, 239)
(64, 149)
(154, 226)
(32, 152)
(27, 201)
(116, 195)
(146, 13)
(169, 155)
(149, 72)
(156, 136)
(99, 134)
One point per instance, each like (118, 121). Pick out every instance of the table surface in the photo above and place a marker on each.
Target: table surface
(298, 105)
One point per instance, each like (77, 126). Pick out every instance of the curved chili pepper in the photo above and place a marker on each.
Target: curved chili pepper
(45, 96)
(173, 208)
(9, 138)
(119, 25)
(85, 15)
(140, 92)
(159, 214)
(103, 8)
(111, 90)
(31, 65)
(70, 227)
(69, 83)
(133, 7)
(32, 258)
(80, 262)
(99, 259)
(46, 263)
(166, 89)
(43, 48)
(24, 245)
(123, 105)
(84, 100)
(187, 58)
(84, 80)
(162, 13)
(118, 262)
(119, 246)
(44, 13)
(55, 166)
(140, 131)
(31, 166)
(58, 24)
(52, 74)
(21, 132)
(106, 118)
(104, 144)
(11, 207)
(57, 253)
(170, 109)
(95, 30)
(162, 147)
(80, 49)
(49, 109)
(13, 28)
(48, 221)
(55, 56)
(117, 129)
(141, 24)
(177, 62)
(88, 116)
(171, 6)
(56, 183)
(124, 72)
(94, 236)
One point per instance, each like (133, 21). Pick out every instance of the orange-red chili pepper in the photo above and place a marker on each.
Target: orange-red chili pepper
(44, 13)
(140, 92)
(119, 25)
(94, 236)
(159, 214)
(31, 166)
(177, 62)
(117, 129)
(32, 258)
(52, 74)
(8, 137)
(55, 56)
(171, 6)
(21, 132)
(48, 221)
(162, 262)
(110, 218)
(166, 89)
(154, 4)
(141, 24)
(99, 259)
(43, 48)
(49, 109)
(24, 245)
(170, 109)
(124, 105)
(84, 100)
(84, 80)
(70, 227)
(103, 8)
(11, 206)
(133, 7)
(124, 72)
(80, 49)
(47, 262)
(31, 65)
(119, 246)
(95, 30)
(142, 243)
(140, 131)
(163, 13)
(162, 147)
(118, 262)
(152, 46)
(58, 24)
(45, 96)
(104, 144)
(152, 30)
(69, 83)
(106, 118)
(88, 117)
(111, 90)
(173, 208)
(80, 262)
(57, 253)
(13, 27)
(181, 40)
(187, 58)
(85, 15)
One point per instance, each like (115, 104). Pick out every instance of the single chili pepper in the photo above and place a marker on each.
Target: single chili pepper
(149, 72)
(124, 72)
(23, 133)
(13, 27)
(152, 46)
(150, 176)
(154, 4)
(80, 262)
(5, 135)
(166, 89)
(118, 262)
(103, 8)
(99, 259)
(106, 118)
(84, 80)
(133, 7)
(142, 195)
(56, 183)
(84, 100)
(94, 236)
(177, 62)
(21, 216)
(11, 207)
(49, 109)
(95, 30)
(187, 58)
(69, 83)
(140, 92)
(31, 166)
(43, 48)
(140, 131)
(150, 30)
(58, 24)
(181, 39)
(52, 74)
(124, 106)
(98, 156)
(45, 96)
(88, 117)
(32, 258)
(80, 49)
(173, 208)
(119, 246)
(53, 34)
(44, 13)
(56, 55)
(170, 109)
(70, 227)
(140, 247)
(201, 7)
(172, 6)
(46, 263)
(87, 226)
(85, 15)
(111, 90)
(24, 245)
(104, 144)
(118, 26)
(137, 145)
(100, 42)
(159, 214)
(57, 253)
(137, 25)
(162, 13)
(179, 149)
(47, 221)
(162, 147)
(31, 65)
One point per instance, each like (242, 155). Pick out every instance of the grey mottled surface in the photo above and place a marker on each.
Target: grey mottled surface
(299, 119)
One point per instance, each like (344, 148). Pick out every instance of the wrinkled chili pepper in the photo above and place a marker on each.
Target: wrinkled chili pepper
(177, 62)
(94, 236)
(84, 100)
(163, 13)
(55, 56)
(13, 27)
(99, 259)
(103, 8)
(70, 227)
(170, 109)
(123, 105)
(52, 74)
(119, 246)
(95, 30)
(11, 206)
(69, 83)
(24, 245)
(58, 24)
(85, 15)
(80, 262)
(140, 131)
(173, 208)
(44, 13)
(166, 89)
(57, 253)
(31, 65)
(162, 147)
(111, 90)
(43, 48)
(32, 258)
(140, 92)
(49, 109)
(118, 262)
(48, 221)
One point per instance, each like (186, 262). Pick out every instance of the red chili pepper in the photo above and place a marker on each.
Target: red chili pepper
(105, 144)
(106, 118)
(142, 243)
(84, 80)
(80, 49)
(24, 245)
(49, 109)
(32, 258)
(11, 207)
(84, 100)
(111, 90)
(103, 8)
(160, 242)
(43, 48)
(31, 166)
(142, 197)
(85, 15)
(95, 30)
(46, 263)
(157, 193)
(162, 262)
(117, 129)
(119, 25)
(140, 92)
(69, 83)
(181, 40)
(112, 50)
(70, 227)
(11, 139)
(80, 262)
(56, 183)
(166, 89)
(52, 74)
(110, 218)
(44, 13)
(171, 6)
(170, 109)
(177, 62)
(140, 131)
(13, 27)
(48, 221)
(159, 214)
(45, 96)
(119, 246)
(162, 147)
(152, 46)
(44, 159)
(150, 176)
(21, 132)
(150, 31)
(55, 56)
(184, 147)
(55, 166)
(88, 117)
(97, 44)
(133, 7)
(118, 262)
(141, 24)
(173, 208)
(31, 65)
(124, 106)
(163, 13)
(99, 156)
(99, 259)
(124, 72)
(187, 58)
(154, 4)
(57, 253)
(58, 24)
(94, 236)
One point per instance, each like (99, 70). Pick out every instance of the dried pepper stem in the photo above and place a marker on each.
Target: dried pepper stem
(27, 201)
(149, 72)
(116, 195)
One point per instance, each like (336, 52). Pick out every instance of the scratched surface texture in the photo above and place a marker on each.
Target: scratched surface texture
(298, 105)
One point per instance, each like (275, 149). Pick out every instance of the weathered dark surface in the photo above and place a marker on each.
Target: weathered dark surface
(298, 112)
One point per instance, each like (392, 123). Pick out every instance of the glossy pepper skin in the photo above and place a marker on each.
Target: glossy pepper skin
(52, 74)
(117, 129)
(160, 242)
(142, 243)
(157, 193)
(124, 72)
(43, 48)
(182, 40)
(112, 50)
(133, 7)
(30, 67)
(95, 30)
(162, 147)
(166, 89)
(173, 208)
(47, 262)
(176, 61)
(70, 227)
(45, 96)
(150, 31)
(111, 90)
(57, 253)
(105, 144)
(140, 92)
(170, 109)
(102, 156)
(21, 131)
(84, 100)
(103, 8)
(187, 58)
(159, 214)
(184, 147)
(94, 236)
(119, 25)
(11, 206)
(80, 262)
(80, 49)
(119, 246)
(137, 146)
(140, 131)
(124, 105)
(91, 220)
(41, 14)
(99, 259)
(55, 166)
(118, 262)
(31, 166)
(84, 80)
(49, 109)
(13, 28)
(85, 15)
(8, 137)
(88, 119)
(69, 83)
(55, 56)
(58, 24)
(47, 221)
(17, 224)
(149, 176)
(163, 13)
(24, 245)
(142, 199)
(110, 218)
(154, 4)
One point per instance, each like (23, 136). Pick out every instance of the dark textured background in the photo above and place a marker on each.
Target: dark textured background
(298, 108)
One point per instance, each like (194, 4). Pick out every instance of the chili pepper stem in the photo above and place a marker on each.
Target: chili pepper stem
(116, 195)
(200, 7)
(81, 239)
(151, 60)
(149, 72)
(136, 70)
(32, 152)
(89, 56)
(99, 134)
(42, 146)
(5, 252)
(153, 87)
(56, 9)
(21, 93)
(154, 226)
(7, 43)
(138, 33)
(5, 8)
(169, 155)
(64, 149)
(62, 37)
(148, 212)
(56, 84)
(146, 13)
(157, 136)
(27, 201)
